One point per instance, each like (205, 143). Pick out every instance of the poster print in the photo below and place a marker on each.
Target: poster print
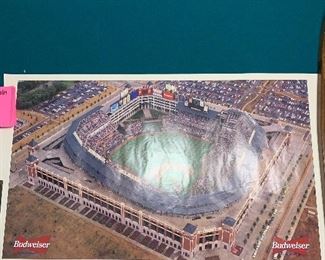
(162, 168)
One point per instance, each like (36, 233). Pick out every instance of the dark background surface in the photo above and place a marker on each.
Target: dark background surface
(153, 36)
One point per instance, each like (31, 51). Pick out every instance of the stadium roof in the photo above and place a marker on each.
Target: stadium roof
(189, 228)
(229, 221)
(31, 158)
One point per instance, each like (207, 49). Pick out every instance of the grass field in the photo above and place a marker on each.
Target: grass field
(168, 161)
(71, 236)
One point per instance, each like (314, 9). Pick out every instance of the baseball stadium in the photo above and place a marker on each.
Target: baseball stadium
(164, 166)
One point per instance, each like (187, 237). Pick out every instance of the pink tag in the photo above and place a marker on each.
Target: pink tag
(7, 107)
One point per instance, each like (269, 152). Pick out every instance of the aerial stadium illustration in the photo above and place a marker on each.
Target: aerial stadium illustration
(172, 169)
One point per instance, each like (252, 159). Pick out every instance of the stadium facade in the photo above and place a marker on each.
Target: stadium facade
(188, 239)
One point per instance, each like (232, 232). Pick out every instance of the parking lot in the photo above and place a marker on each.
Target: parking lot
(70, 98)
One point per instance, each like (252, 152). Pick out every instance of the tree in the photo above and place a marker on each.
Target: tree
(36, 93)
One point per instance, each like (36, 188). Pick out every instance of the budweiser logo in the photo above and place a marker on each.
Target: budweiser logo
(37, 245)
(299, 246)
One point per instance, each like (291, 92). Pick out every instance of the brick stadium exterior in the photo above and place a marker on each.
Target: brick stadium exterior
(187, 240)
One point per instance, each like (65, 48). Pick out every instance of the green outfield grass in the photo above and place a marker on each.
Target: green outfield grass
(168, 161)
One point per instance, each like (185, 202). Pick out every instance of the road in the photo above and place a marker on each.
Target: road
(278, 176)
(291, 207)
(261, 93)
(288, 207)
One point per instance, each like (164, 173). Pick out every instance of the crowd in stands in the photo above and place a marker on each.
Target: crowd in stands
(98, 133)
(102, 136)
(135, 128)
(193, 125)
(113, 142)
(91, 123)
(99, 141)
(105, 139)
